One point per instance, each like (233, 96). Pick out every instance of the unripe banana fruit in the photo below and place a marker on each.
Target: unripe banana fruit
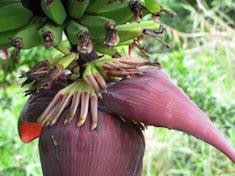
(51, 34)
(119, 12)
(101, 28)
(54, 10)
(152, 5)
(5, 38)
(13, 16)
(76, 8)
(8, 2)
(95, 5)
(28, 37)
(73, 29)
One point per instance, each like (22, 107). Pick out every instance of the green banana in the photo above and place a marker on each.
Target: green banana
(152, 6)
(54, 10)
(73, 29)
(6, 37)
(126, 43)
(130, 34)
(28, 37)
(130, 31)
(8, 2)
(13, 16)
(95, 5)
(101, 28)
(119, 12)
(51, 34)
(134, 30)
(80, 36)
(76, 8)
(103, 49)
(142, 24)
(96, 25)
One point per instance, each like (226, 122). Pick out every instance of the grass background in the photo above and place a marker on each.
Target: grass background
(201, 61)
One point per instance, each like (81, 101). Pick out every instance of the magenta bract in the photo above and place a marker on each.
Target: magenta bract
(114, 148)
(155, 100)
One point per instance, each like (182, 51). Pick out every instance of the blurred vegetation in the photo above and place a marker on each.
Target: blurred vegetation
(200, 60)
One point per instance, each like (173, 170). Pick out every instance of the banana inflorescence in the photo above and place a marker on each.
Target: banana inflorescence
(95, 29)
(95, 70)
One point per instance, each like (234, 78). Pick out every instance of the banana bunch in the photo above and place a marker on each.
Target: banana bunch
(100, 18)
(95, 30)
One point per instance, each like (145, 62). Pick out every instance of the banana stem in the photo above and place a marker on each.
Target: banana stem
(54, 60)
(62, 49)
(66, 61)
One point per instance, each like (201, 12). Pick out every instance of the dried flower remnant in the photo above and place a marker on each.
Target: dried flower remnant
(111, 37)
(45, 73)
(122, 67)
(137, 9)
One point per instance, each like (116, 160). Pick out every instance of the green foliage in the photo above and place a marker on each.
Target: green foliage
(16, 159)
(203, 66)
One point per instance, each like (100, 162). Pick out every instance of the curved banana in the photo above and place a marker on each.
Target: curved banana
(125, 43)
(13, 16)
(76, 8)
(96, 25)
(73, 29)
(130, 34)
(95, 5)
(119, 12)
(6, 38)
(28, 37)
(103, 49)
(51, 34)
(142, 24)
(130, 31)
(152, 6)
(8, 2)
(54, 10)
(101, 28)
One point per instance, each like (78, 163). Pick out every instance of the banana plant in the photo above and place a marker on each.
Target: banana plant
(92, 97)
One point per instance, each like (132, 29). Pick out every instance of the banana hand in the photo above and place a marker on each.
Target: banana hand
(13, 16)
(54, 10)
